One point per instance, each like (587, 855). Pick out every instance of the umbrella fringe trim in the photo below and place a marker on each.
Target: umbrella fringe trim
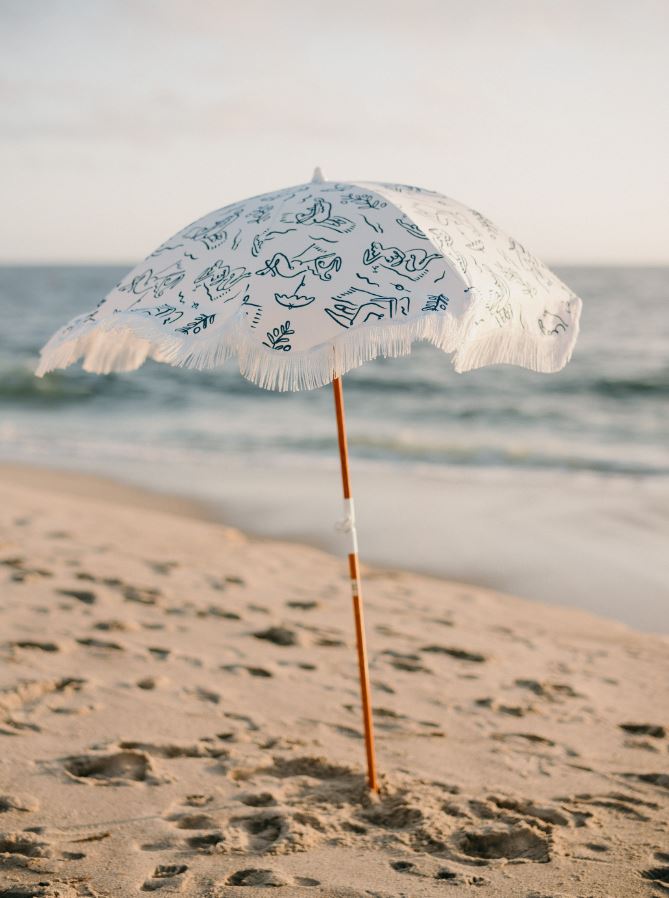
(124, 342)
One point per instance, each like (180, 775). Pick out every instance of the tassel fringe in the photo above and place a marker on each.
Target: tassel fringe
(123, 342)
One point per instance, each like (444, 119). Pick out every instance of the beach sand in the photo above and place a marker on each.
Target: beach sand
(179, 712)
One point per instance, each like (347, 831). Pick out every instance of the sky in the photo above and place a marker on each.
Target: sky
(121, 121)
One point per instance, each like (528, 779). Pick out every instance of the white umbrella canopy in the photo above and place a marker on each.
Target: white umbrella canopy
(304, 284)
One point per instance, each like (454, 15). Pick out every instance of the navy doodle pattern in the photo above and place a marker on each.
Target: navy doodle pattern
(284, 279)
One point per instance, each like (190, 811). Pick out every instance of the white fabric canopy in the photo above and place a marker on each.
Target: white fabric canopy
(303, 284)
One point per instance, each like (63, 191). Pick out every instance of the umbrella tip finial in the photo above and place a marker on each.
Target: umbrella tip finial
(317, 177)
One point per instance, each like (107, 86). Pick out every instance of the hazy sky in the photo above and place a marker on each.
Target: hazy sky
(123, 120)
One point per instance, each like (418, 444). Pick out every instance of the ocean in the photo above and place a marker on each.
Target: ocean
(553, 487)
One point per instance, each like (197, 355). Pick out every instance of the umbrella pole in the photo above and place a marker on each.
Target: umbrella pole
(354, 570)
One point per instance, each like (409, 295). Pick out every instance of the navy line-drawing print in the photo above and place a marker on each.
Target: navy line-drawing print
(478, 246)
(500, 291)
(512, 275)
(261, 239)
(411, 264)
(200, 323)
(257, 314)
(279, 337)
(364, 200)
(347, 312)
(165, 247)
(357, 253)
(157, 282)
(320, 213)
(486, 224)
(551, 324)
(501, 311)
(87, 318)
(168, 314)
(436, 303)
(260, 213)
(362, 277)
(213, 235)
(219, 278)
(529, 263)
(314, 259)
(375, 226)
(442, 238)
(294, 300)
(321, 239)
(411, 227)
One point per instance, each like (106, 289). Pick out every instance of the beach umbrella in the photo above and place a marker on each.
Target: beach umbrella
(303, 284)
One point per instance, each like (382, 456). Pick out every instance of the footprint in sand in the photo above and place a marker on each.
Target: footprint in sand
(658, 873)
(206, 842)
(21, 572)
(45, 889)
(553, 692)
(442, 873)
(106, 645)
(35, 645)
(248, 722)
(141, 595)
(661, 780)
(266, 878)
(164, 875)
(262, 831)
(207, 834)
(276, 831)
(18, 802)
(116, 768)
(148, 683)
(193, 821)
(221, 583)
(406, 661)
(258, 799)
(217, 611)
(205, 695)
(258, 877)
(25, 844)
(244, 668)
(278, 635)
(198, 800)
(173, 750)
(27, 695)
(330, 642)
(504, 708)
(86, 596)
(457, 653)
(505, 842)
(654, 730)
(114, 625)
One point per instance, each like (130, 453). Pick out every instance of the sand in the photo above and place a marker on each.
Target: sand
(179, 713)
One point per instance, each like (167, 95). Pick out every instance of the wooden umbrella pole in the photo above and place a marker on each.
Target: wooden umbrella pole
(354, 570)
